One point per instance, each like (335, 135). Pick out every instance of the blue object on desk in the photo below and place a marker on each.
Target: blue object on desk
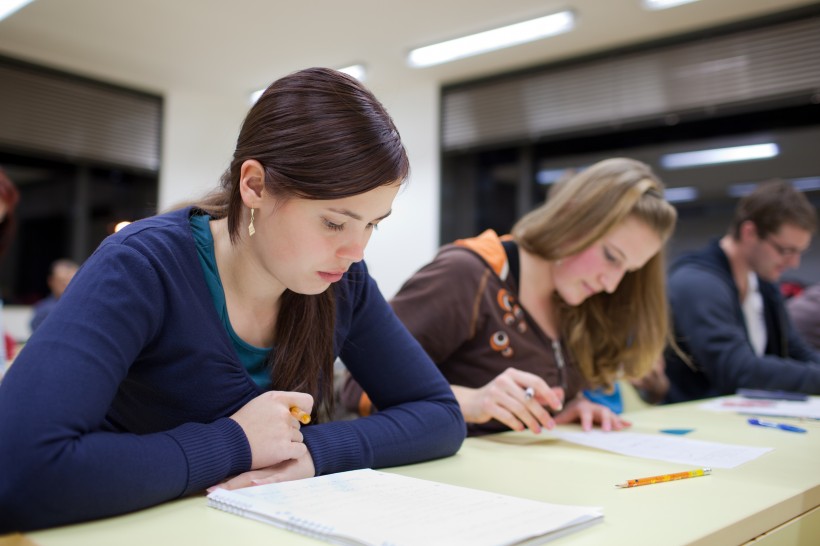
(678, 431)
(611, 400)
(781, 426)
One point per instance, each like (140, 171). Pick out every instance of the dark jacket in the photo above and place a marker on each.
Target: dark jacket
(710, 327)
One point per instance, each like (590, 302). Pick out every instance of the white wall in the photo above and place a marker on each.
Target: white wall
(409, 238)
(200, 134)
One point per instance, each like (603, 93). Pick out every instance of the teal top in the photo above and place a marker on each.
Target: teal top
(252, 358)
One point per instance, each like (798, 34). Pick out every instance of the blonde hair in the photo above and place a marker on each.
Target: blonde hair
(628, 329)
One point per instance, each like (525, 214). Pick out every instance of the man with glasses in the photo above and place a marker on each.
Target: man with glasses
(728, 314)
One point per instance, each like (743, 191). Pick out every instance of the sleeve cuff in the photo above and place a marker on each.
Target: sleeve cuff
(213, 451)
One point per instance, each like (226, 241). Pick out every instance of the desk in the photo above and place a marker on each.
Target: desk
(773, 499)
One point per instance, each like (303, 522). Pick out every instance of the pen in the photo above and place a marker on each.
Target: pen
(666, 478)
(781, 426)
(302, 416)
(529, 392)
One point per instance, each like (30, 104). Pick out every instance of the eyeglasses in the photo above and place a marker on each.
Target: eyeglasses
(784, 251)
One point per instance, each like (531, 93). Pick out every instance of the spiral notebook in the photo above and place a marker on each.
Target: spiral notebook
(372, 508)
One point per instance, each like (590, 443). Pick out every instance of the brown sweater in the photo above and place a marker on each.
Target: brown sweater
(463, 309)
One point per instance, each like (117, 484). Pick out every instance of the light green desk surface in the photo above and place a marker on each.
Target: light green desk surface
(771, 500)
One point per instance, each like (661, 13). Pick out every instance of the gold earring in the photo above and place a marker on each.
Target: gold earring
(251, 229)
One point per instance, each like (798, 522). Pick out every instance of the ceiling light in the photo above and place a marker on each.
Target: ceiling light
(681, 194)
(358, 71)
(545, 177)
(663, 4)
(806, 184)
(7, 7)
(490, 40)
(719, 155)
(355, 70)
(741, 188)
(810, 183)
(256, 94)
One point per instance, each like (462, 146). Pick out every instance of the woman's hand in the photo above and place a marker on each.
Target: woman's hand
(293, 469)
(581, 409)
(505, 399)
(273, 432)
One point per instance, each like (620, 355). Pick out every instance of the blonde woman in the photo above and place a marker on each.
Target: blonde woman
(573, 299)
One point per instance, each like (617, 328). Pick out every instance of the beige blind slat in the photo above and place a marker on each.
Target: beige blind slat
(747, 66)
(44, 111)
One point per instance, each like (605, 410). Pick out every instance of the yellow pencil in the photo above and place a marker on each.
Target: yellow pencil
(302, 416)
(666, 478)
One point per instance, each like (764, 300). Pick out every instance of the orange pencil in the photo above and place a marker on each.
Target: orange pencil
(666, 478)
(302, 416)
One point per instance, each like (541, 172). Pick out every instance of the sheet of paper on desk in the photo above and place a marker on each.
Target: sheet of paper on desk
(673, 449)
(808, 409)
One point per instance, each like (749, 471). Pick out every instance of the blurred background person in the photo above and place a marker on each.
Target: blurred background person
(804, 312)
(59, 276)
(9, 197)
(727, 310)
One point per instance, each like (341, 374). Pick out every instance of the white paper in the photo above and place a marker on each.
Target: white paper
(667, 448)
(809, 409)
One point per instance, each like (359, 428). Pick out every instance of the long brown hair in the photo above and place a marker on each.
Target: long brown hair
(319, 134)
(625, 330)
(8, 225)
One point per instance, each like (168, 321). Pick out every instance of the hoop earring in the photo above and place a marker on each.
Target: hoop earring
(251, 229)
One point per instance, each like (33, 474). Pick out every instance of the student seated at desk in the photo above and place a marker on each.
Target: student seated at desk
(186, 340)
(572, 299)
(728, 313)
(60, 274)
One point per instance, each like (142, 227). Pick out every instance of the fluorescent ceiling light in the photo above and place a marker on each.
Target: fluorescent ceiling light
(719, 155)
(355, 70)
(545, 177)
(490, 40)
(663, 4)
(682, 194)
(7, 7)
(256, 94)
(358, 71)
(740, 189)
(806, 184)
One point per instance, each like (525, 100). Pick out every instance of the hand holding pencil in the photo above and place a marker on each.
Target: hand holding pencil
(271, 423)
(518, 399)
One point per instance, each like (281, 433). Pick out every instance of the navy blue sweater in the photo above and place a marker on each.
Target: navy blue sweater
(121, 398)
(710, 327)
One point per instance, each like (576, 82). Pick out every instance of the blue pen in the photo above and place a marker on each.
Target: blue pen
(781, 426)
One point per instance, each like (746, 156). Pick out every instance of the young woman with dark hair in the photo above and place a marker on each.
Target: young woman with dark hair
(178, 353)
